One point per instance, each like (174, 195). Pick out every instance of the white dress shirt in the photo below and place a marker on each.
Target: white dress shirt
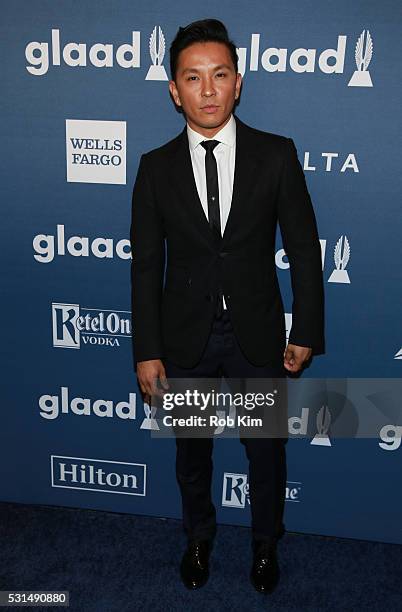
(225, 153)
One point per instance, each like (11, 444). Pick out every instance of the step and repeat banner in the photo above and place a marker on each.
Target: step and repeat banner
(84, 94)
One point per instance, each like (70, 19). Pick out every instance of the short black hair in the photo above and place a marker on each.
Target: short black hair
(204, 30)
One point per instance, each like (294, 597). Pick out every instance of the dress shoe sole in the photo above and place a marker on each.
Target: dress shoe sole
(191, 586)
(194, 587)
(261, 589)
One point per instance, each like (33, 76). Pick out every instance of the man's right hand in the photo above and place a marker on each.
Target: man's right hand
(148, 373)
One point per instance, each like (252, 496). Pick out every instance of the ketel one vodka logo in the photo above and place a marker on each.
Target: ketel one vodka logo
(341, 259)
(73, 324)
(363, 54)
(157, 47)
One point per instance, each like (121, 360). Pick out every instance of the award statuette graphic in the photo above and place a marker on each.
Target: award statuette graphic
(361, 77)
(323, 422)
(340, 274)
(157, 71)
(149, 421)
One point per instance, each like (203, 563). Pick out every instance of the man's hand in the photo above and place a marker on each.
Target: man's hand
(148, 373)
(295, 356)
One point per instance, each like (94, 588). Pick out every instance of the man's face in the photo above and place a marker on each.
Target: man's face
(206, 86)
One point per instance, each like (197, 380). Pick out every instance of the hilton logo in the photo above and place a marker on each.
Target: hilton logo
(72, 324)
(98, 475)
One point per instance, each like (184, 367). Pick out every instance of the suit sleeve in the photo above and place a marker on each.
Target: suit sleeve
(301, 243)
(147, 268)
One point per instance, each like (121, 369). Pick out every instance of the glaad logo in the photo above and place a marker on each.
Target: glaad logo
(323, 422)
(157, 71)
(235, 490)
(361, 77)
(149, 422)
(51, 406)
(391, 436)
(299, 425)
(341, 258)
(398, 355)
(72, 323)
(272, 59)
(283, 263)
(225, 420)
(77, 246)
(96, 151)
(75, 54)
(98, 475)
(330, 61)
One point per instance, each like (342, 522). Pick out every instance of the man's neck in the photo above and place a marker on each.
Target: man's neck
(209, 132)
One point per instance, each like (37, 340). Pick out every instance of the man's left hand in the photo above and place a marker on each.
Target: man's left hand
(295, 356)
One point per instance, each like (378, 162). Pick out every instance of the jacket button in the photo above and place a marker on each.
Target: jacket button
(189, 282)
(223, 254)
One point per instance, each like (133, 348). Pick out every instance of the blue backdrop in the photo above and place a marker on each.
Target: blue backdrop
(84, 94)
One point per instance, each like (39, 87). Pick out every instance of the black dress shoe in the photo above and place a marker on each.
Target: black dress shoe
(194, 568)
(265, 570)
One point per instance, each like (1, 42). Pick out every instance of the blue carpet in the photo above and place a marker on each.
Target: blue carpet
(114, 562)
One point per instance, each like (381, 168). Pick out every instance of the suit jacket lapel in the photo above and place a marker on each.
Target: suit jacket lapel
(184, 183)
(246, 164)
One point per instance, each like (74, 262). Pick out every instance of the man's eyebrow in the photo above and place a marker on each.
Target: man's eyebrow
(215, 68)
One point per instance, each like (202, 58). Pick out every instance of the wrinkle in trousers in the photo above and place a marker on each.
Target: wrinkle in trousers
(266, 456)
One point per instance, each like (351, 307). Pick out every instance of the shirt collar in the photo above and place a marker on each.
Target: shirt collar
(226, 135)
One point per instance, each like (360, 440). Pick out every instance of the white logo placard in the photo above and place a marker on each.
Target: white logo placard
(96, 151)
(235, 490)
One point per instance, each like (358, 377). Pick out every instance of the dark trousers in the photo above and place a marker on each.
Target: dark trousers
(266, 455)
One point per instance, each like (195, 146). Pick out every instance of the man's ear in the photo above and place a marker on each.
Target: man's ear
(239, 80)
(174, 93)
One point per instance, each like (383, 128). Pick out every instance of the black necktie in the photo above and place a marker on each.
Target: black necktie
(214, 217)
(211, 172)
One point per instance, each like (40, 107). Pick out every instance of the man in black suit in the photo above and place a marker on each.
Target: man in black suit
(215, 194)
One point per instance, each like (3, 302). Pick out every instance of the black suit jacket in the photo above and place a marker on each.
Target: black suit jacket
(174, 319)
